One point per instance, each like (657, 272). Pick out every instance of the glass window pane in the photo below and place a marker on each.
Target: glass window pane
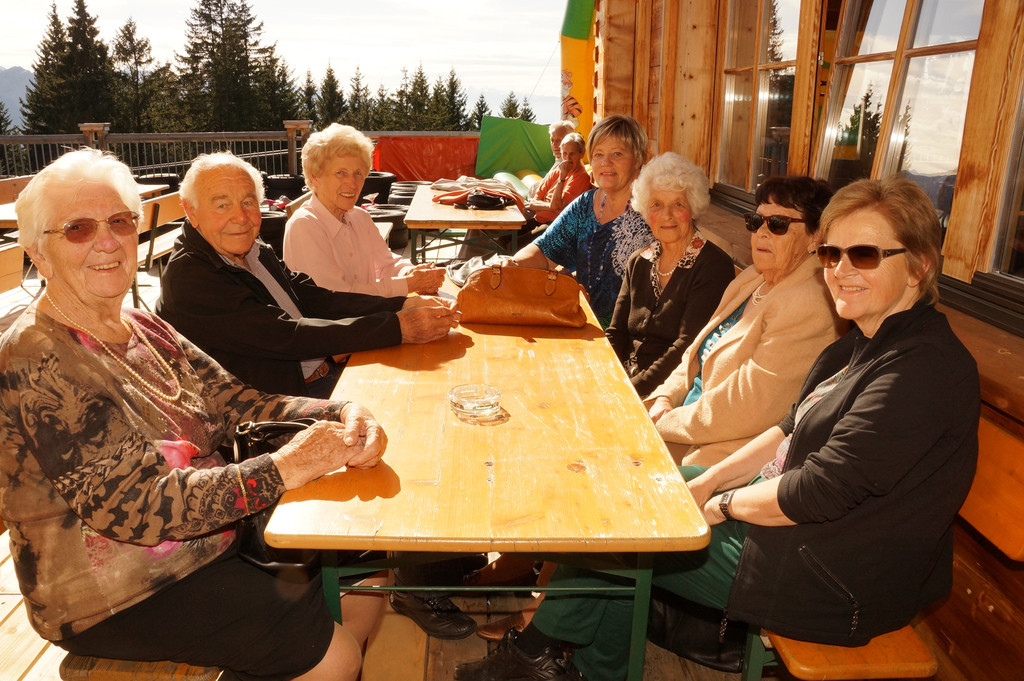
(878, 27)
(857, 126)
(948, 21)
(929, 128)
(736, 130)
(776, 101)
(742, 34)
(783, 24)
(1014, 265)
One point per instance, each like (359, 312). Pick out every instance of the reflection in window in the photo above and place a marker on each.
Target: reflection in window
(859, 122)
(1013, 251)
(877, 28)
(736, 129)
(948, 21)
(742, 35)
(777, 98)
(783, 25)
(931, 124)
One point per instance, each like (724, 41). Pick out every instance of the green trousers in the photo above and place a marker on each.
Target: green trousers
(600, 625)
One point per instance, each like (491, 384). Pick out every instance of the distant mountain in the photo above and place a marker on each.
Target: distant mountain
(13, 82)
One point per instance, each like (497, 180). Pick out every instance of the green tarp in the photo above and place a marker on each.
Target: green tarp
(511, 145)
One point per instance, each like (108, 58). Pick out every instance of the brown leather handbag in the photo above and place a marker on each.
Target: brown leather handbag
(507, 294)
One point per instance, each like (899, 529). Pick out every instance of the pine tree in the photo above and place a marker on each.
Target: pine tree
(480, 110)
(330, 105)
(6, 124)
(89, 94)
(385, 112)
(164, 111)
(42, 109)
(132, 57)
(307, 108)
(277, 98)
(418, 101)
(526, 113)
(510, 106)
(10, 159)
(222, 66)
(360, 102)
(451, 101)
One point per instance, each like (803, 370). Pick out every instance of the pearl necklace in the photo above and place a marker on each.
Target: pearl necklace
(669, 273)
(757, 296)
(130, 325)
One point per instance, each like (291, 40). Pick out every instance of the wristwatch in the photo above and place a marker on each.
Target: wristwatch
(723, 504)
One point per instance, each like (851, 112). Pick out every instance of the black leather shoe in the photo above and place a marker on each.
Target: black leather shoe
(435, 615)
(509, 663)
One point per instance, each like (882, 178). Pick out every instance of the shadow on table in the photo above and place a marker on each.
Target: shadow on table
(379, 482)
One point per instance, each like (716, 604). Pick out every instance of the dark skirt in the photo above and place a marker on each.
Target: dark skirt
(228, 614)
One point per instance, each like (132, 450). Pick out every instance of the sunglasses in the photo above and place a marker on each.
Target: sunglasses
(862, 256)
(777, 224)
(84, 229)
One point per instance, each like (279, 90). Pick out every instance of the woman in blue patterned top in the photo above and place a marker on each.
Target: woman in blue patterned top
(595, 235)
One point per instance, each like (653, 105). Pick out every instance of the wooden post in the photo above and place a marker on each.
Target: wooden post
(295, 129)
(95, 134)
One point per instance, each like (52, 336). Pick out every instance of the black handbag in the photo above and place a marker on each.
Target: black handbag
(251, 440)
(694, 631)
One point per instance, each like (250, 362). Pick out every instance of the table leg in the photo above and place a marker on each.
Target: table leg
(414, 234)
(332, 584)
(641, 606)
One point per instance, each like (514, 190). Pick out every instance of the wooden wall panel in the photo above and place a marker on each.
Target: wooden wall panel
(616, 46)
(986, 154)
(688, 79)
(805, 88)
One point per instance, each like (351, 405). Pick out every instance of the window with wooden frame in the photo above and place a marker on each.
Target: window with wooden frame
(758, 78)
(898, 95)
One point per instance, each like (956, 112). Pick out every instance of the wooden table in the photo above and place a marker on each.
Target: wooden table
(573, 464)
(449, 225)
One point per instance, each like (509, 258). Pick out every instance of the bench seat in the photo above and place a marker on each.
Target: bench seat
(900, 654)
(81, 668)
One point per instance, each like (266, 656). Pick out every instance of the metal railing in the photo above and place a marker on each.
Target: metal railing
(272, 152)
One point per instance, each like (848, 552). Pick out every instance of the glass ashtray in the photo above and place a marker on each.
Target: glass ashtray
(475, 400)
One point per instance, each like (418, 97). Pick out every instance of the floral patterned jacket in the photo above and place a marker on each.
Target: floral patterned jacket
(111, 492)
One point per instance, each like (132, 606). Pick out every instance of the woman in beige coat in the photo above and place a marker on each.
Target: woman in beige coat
(741, 375)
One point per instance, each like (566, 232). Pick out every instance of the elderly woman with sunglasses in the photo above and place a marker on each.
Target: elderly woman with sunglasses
(119, 506)
(834, 526)
(746, 365)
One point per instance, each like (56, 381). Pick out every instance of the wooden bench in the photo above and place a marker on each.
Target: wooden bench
(993, 508)
(294, 204)
(160, 222)
(12, 264)
(10, 187)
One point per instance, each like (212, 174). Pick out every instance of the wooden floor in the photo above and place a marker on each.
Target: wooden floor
(398, 650)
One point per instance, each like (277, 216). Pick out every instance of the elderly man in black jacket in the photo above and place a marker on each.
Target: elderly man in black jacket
(275, 329)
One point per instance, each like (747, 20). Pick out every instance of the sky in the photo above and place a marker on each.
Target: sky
(494, 46)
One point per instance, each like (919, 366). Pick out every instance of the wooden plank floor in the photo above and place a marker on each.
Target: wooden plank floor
(399, 650)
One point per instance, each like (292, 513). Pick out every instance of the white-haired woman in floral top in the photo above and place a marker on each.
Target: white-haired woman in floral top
(119, 507)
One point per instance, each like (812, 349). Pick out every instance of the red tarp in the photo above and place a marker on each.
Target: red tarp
(426, 158)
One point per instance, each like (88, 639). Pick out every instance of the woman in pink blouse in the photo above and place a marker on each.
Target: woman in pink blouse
(332, 240)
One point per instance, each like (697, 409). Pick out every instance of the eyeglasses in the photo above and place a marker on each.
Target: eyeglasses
(862, 256)
(84, 229)
(777, 224)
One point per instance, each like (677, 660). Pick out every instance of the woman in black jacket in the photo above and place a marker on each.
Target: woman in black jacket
(836, 525)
